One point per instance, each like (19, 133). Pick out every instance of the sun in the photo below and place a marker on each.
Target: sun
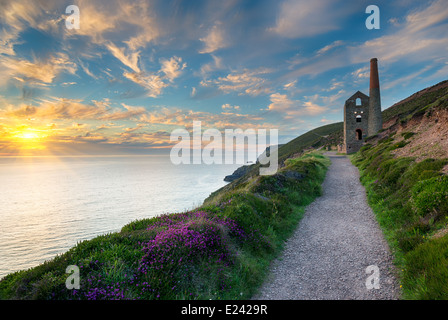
(27, 135)
(29, 139)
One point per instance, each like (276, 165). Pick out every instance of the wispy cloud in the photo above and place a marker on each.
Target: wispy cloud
(249, 82)
(302, 18)
(38, 71)
(74, 109)
(172, 68)
(290, 109)
(154, 83)
(421, 36)
(214, 40)
(330, 46)
(130, 60)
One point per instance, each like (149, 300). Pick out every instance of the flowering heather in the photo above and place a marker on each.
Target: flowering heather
(180, 244)
(186, 239)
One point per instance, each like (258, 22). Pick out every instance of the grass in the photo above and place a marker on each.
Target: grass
(220, 250)
(419, 105)
(410, 200)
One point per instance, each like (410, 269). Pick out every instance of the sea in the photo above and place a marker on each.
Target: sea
(49, 204)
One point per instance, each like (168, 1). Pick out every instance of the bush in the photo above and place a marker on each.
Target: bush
(407, 135)
(431, 196)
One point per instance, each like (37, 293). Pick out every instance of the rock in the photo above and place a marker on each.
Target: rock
(238, 173)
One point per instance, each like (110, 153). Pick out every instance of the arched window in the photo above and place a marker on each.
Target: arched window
(358, 134)
(358, 118)
(358, 101)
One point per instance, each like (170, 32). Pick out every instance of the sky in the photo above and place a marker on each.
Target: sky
(135, 71)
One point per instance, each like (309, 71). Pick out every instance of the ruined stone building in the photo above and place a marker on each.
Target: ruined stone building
(362, 114)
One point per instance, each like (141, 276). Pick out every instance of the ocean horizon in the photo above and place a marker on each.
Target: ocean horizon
(49, 204)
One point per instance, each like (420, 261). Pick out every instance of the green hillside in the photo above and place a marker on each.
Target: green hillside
(404, 171)
(328, 135)
(418, 103)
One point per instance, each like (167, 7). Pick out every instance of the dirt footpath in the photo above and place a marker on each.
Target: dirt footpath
(338, 251)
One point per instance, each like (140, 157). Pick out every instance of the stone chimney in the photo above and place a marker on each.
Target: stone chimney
(375, 117)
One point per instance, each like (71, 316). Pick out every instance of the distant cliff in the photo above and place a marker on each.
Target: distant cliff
(241, 171)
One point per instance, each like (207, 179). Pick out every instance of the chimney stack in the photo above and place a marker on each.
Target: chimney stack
(375, 121)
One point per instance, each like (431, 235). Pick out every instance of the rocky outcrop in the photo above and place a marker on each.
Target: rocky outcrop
(238, 173)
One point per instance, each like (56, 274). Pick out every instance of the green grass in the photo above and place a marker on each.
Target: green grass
(410, 201)
(220, 250)
(419, 105)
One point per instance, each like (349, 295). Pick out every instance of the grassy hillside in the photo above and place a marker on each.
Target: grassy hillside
(417, 104)
(220, 250)
(328, 135)
(404, 173)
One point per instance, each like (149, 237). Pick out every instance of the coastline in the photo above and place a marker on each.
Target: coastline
(245, 243)
(76, 208)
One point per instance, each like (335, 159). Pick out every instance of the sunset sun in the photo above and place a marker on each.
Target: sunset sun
(30, 139)
(28, 136)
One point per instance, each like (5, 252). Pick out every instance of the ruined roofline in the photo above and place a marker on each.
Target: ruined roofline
(357, 93)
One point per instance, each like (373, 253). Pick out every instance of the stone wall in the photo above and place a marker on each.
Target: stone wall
(356, 119)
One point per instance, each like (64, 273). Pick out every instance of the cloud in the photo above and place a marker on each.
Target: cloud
(86, 70)
(130, 60)
(227, 119)
(214, 40)
(21, 14)
(335, 84)
(245, 82)
(330, 46)
(155, 83)
(67, 84)
(206, 68)
(36, 72)
(131, 113)
(112, 23)
(290, 85)
(117, 19)
(172, 68)
(363, 72)
(405, 81)
(228, 106)
(74, 109)
(303, 18)
(291, 109)
(419, 38)
(7, 42)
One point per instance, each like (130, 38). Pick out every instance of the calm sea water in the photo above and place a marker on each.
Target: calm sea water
(47, 205)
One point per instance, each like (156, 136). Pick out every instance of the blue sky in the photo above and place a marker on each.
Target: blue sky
(136, 70)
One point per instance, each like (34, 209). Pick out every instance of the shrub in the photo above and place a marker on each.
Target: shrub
(407, 135)
(431, 196)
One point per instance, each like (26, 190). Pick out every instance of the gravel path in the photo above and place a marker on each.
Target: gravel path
(335, 242)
